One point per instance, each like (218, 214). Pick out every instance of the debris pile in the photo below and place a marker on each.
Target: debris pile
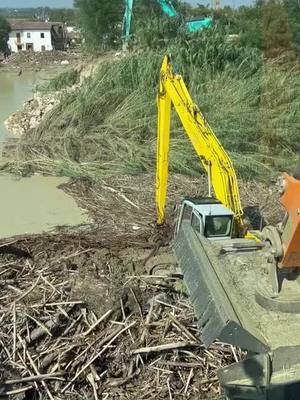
(44, 101)
(37, 60)
(84, 319)
(82, 314)
(33, 111)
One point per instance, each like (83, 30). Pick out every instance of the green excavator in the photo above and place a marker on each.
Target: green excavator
(168, 9)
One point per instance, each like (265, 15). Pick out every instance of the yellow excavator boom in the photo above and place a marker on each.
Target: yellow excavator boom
(215, 160)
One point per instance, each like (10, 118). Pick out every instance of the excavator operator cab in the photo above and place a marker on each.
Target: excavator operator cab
(207, 216)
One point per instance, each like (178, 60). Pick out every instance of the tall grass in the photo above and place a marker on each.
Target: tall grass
(109, 124)
(62, 81)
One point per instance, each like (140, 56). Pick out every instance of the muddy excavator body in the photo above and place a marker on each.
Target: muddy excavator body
(223, 278)
(244, 286)
(267, 376)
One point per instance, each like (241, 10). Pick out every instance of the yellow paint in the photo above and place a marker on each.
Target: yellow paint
(173, 91)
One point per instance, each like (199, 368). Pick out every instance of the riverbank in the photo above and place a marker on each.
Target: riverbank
(107, 126)
(37, 61)
(49, 94)
(34, 109)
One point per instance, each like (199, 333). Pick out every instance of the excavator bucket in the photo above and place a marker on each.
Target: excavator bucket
(268, 376)
(222, 277)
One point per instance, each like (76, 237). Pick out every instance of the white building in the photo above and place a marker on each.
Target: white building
(30, 35)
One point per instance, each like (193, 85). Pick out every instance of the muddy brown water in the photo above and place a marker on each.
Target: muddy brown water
(15, 89)
(36, 205)
(30, 205)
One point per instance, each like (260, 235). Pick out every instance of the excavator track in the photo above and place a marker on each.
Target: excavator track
(222, 289)
(218, 314)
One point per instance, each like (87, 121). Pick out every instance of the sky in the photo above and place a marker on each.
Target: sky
(69, 3)
(36, 3)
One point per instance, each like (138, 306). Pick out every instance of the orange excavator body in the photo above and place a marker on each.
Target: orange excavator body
(291, 233)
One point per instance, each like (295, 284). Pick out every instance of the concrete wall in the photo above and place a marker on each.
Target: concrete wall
(35, 39)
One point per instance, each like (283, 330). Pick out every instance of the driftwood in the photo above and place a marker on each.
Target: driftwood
(144, 344)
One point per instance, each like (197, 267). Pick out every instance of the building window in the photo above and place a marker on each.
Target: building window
(28, 35)
(42, 35)
(29, 46)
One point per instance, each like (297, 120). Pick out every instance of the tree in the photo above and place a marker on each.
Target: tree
(293, 11)
(66, 15)
(4, 34)
(276, 33)
(100, 21)
(249, 25)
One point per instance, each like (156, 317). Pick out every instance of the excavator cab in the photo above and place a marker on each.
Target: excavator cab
(207, 216)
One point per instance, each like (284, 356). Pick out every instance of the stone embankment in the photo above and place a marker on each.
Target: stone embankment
(32, 113)
(35, 108)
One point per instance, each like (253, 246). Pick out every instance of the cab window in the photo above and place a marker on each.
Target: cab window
(195, 223)
(187, 212)
(218, 225)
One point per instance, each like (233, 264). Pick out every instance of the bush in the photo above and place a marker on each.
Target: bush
(100, 22)
(62, 81)
(4, 34)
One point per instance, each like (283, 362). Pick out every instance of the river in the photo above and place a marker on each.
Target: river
(33, 204)
(14, 90)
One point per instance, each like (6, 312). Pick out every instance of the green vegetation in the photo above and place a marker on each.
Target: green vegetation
(247, 86)
(62, 81)
(272, 26)
(4, 34)
(67, 15)
(100, 22)
(108, 126)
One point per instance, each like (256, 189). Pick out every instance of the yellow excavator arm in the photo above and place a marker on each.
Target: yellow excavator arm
(215, 160)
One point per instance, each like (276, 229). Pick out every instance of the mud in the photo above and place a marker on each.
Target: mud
(247, 274)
